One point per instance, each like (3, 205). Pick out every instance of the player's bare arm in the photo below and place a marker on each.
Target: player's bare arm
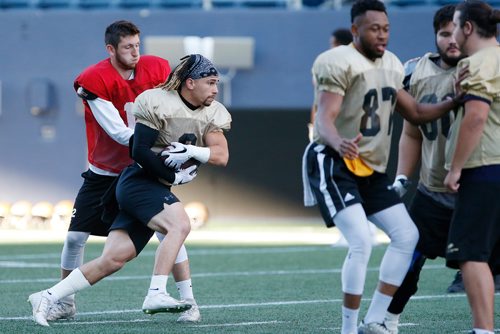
(328, 110)
(410, 146)
(469, 135)
(419, 113)
(219, 152)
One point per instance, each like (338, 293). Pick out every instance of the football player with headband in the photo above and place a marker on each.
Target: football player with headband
(108, 90)
(344, 168)
(473, 162)
(428, 79)
(183, 106)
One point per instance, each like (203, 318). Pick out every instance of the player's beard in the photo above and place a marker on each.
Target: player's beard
(450, 61)
(209, 101)
(368, 50)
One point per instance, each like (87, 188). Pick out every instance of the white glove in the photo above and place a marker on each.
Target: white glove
(180, 153)
(185, 175)
(400, 185)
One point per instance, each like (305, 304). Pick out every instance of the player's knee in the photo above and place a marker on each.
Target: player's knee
(76, 239)
(361, 248)
(111, 264)
(406, 238)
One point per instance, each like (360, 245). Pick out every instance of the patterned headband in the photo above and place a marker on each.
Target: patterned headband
(201, 68)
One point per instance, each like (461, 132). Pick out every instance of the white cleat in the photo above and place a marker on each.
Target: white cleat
(61, 310)
(372, 328)
(163, 302)
(191, 315)
(40, 305)
(391, 321)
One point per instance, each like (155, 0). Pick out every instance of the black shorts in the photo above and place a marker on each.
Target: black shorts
(336, 187)
(475, 227)
(87, 210)
(140, 197)
(433, 222)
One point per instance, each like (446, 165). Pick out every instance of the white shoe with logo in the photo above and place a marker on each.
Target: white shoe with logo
(40, 305)
(61, 310)
(163, 302)
(191, 315)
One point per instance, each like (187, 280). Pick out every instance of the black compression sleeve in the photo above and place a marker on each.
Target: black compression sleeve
(144, 139)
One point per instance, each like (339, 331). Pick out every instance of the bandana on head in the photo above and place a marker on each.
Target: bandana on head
(193, 66)
(202, 67)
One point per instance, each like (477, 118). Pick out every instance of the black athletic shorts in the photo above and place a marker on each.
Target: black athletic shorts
(87, 210)
(140, 197)
(475, 226)
(433, 222)
(336, 187)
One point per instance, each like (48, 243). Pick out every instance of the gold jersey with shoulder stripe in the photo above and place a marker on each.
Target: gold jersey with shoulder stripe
(165, 111)
(430, 83)
(369, 89)
(484, 83)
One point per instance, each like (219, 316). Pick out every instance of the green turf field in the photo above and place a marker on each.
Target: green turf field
(240, 289)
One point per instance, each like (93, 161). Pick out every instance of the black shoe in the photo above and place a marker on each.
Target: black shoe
(458, 284)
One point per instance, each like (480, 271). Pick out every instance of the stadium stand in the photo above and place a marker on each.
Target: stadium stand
(6, 4)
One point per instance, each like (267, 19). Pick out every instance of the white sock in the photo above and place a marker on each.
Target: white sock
(378, 308)
(482, 331)
(185, 289)
(158, 284)
(349, 320)
(392, 317)
(75, 282)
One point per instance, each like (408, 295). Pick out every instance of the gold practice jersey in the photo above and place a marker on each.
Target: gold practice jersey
(430, 83)
(164, 111)
(369, 89)
(484, 83)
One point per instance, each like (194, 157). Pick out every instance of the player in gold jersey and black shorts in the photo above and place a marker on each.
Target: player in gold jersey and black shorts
(344, 168)
(473, 161)
(184, 106)
(430, 79)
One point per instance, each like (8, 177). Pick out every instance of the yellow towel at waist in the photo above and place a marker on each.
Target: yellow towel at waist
(358, 167)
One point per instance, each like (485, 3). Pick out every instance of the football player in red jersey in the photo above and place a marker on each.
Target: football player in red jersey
(108, 90)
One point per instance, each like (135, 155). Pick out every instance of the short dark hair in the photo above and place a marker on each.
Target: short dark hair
(342, 36)
(118, 29)
(443, 16)
(362, 6)
(483, 15)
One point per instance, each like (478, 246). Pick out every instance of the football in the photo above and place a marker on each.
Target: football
(185, 165)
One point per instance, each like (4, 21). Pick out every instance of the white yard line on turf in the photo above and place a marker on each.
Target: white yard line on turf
(249, 305)
(204, 275)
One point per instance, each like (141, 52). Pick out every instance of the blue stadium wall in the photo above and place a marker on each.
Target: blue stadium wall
(41, 157)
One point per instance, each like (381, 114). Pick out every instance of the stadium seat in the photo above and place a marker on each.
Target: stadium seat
(42, 209)
(179, 3)
(197, 213)
(62, 215)
(89, 4)
(408, 3)
(134, 3)
(4, 212)
(265, 3)
(15, 3)
(20, 214)
(51, 4)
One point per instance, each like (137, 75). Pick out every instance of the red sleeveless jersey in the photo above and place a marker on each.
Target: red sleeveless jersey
(103, 80)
